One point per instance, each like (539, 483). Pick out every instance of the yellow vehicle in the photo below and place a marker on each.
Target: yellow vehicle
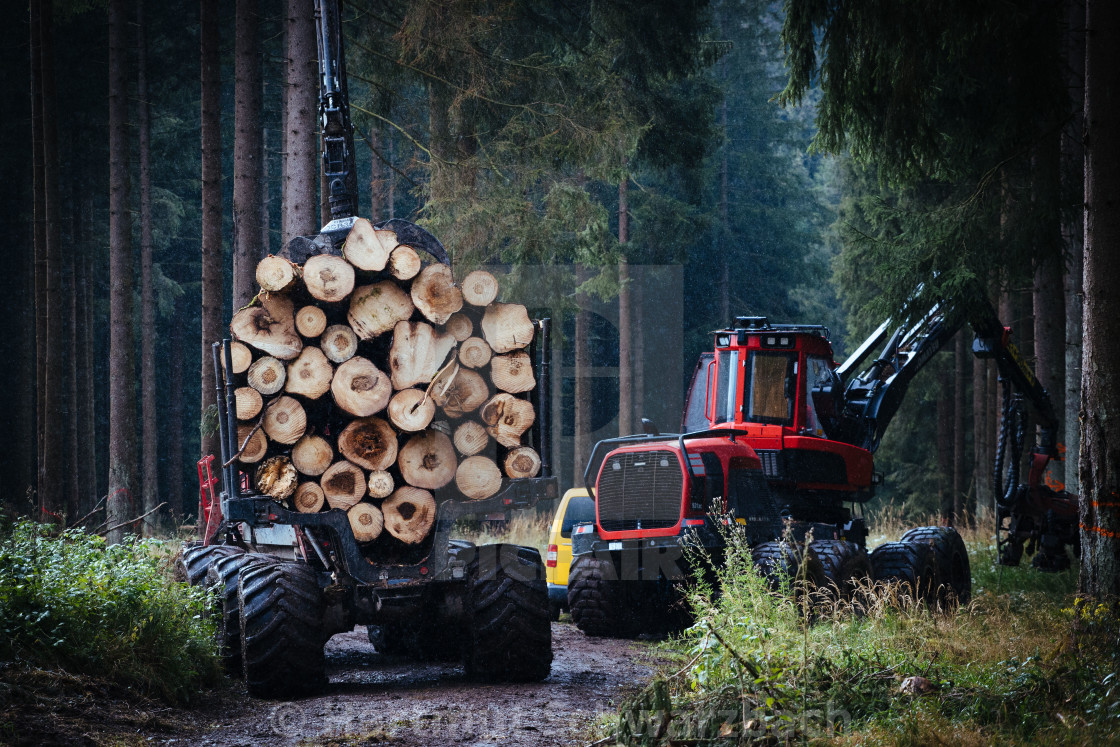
(575, 507)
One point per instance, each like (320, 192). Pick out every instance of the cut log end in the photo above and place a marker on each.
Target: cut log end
(343, 484)
(474, 352)
(310, 374)
(507, 418)
(369, 442)
(463, 394)
(522, 462)
(512, 372)
(285, 420)
(258, 329)
(459, 326)
(277, 477)
(241, 356)
(409, 514)
(366, 521)
(276, 274)
(417, 354)
(312, 455)
(248, 402)
(380, 484)
(328, 278)
(480, 288)
(339, 343)
(478, 478)
(376, 309)
(359, 388)
(368, 248)
(267, 375)
(252, 443)
(404, 263)
(411, 410)
(435, 295)
(309, 498)
(428, 460)
(470, 438)
(506, 326)
(311, 321)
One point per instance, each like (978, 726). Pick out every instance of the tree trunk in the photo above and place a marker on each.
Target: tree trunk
(625, 372)
(582, 396)
(211, 131)
(122, 398)
(328, 278)
(960, 460)
(339, 343)
(285, 420)
(638, 372)
(267, 375)
(507, 418)
(311, 321)
(945, 443)
(1073, 165)
(480, 288)
(150, 434)
(1100, 384)
(982, 433)
(247, 152)
(309, 498)
(277, 477)
(521, 462)
(506, 327)
(380, 484)
(255, 327)
(376, 309)
(418, 353)
(474, 352)
(404, 263)
(39, 239)
(366, 522)
(55, 426)
(465, 393)
(513, 372)
(175, 420)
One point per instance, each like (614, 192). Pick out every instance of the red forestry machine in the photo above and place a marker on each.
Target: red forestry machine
(777, 441)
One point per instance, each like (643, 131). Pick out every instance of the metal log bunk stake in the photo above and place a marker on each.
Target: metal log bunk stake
(231, 408)
(223, 425)
(544, 399)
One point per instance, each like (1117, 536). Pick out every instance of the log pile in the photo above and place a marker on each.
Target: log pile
(370, 381)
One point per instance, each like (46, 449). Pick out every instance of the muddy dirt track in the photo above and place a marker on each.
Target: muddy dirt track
(373, 700)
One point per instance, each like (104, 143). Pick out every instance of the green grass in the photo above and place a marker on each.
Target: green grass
(525, 529)
(1025, 661)
(72, 603)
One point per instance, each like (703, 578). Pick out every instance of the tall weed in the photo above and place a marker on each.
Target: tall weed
(74, 603)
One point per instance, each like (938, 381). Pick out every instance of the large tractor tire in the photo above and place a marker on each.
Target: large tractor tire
(281, 613)
(951, 555)
(195, 560)
(845, 565)
(509, 636)
(780, 562)
(912, 565)
(596, 601)
(222, 576)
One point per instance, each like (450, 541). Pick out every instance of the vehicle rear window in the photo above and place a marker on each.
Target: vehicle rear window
(581, 509)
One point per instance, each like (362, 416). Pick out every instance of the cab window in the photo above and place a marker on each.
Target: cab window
(768, 389)
(581, 510)
(816, 373)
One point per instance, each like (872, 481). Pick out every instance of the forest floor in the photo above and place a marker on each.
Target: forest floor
(371, 700)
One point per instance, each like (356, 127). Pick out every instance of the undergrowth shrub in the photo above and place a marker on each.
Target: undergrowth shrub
(761, 666)
(74, 603)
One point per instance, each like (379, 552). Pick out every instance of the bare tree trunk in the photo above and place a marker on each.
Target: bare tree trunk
(625, 392)
(945, 444)
(439, 127)
(1073, 158)
(122, 398)
(391, 176)
(724, 224)
(582, 396)
(960, 458)
(150, 434)
(53, 491)
(83, 370)
(377, 209)
(981, 435)
(247, 153)
(1100, 384)
(39, 239)
(211, 115)
(638, 371)
(174, 491)
(301, 165)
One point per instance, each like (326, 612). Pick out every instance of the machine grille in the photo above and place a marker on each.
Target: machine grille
(640, 490)
(771, 464)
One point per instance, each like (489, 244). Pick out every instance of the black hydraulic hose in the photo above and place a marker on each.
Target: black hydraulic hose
(1013, 427)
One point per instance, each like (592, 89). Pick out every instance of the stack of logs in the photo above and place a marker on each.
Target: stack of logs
(371, 380)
